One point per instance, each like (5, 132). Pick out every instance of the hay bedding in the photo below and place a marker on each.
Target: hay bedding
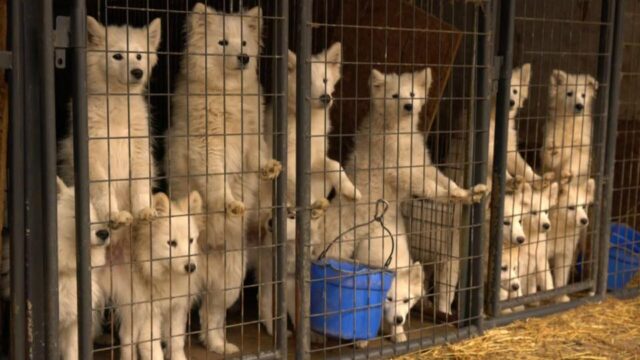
(608, 330)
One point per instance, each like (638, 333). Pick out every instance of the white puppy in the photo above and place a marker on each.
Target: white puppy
(326, 172)
(67, 270)
(216, 146)
(121, 168)
(568, 219)
(567, 142)
(510, 286)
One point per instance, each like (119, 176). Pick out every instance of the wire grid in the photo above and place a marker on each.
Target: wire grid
(393, 38)
(555, 216)
(624, 250)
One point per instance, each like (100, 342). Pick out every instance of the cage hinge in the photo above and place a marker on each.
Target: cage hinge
(61, 40)
(6, 60)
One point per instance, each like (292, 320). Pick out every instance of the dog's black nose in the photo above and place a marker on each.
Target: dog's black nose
(520, 239)
(515, 287)
(325, 99)
(190, 267)
(584, 221)
(408, 107)
(102, 234)
(546, 226)
(512, 103)
(579, 107)
(399, 320)
(244, 59)
(137, 73)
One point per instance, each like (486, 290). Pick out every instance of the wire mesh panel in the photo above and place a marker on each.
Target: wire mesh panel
(555, 152)
(624, 252)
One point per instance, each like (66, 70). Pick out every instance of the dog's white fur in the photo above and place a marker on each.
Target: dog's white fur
(391, 161)
(567, 143)
(326, 172)
(121, 167)
(67, 270)
(510, 286)
(265, 262)
(533, 260)
(516, 164)
(568, 219)
(218, 104)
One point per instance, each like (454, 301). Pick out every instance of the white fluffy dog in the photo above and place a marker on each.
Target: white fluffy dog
(533, 260)
(510, 286)
(325, 73)
(391, 161)
(568, 219)
(67, 270)
(121, 169)
(216, 146)
(567, 142)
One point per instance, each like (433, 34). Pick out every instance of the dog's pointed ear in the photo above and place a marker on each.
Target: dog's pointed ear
(195, 202)
(416, 274)
(61, 186)
(292, 62)
(527, 193)
(592, 82)
(161, 203)
(558, 77)
(155, 34)
(198, 17)
(554, 191)
(591, 190)
(525, 74)
(423, 78)
(199, 8)
(334, 56)
(377, 79)
(96, 33)
(253, 19)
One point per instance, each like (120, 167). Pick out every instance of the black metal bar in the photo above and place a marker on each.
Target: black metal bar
(280, 116)
(303, 176)
(81, 175)
(481, 145)
(48, 154)
(546, 295)
(610, 154)
(17, 188)
(505, 52)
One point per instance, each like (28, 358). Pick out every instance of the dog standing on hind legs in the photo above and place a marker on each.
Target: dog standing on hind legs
(121, 166)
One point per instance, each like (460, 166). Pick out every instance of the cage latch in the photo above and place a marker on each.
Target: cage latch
(61, 40)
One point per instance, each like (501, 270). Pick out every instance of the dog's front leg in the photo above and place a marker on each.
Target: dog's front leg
(69, 342)
(517, 165)
(397, 334)
(147, 330)
(338, 178)
(177, 333)
(219, 194)
(104, 198)
(212, 317)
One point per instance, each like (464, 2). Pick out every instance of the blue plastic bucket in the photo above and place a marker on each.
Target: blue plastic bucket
(624, 256)
(347, 299)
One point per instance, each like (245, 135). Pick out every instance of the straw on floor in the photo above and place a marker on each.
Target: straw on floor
(608, 330)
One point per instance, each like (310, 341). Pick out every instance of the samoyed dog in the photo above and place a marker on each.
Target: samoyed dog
(510, 286)
(326, 172)
(567, 142)
(216, 147)
(568, 219)
(265, 262)
(67, 270)
(121, 169)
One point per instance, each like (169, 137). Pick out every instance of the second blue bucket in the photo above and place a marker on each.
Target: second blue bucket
(347, 299)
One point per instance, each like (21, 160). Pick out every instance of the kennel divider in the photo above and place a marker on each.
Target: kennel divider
(303, 18)
(613, 107)
(280, 134)
(504, 60)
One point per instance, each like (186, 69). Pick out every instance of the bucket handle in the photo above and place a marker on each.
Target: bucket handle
(382, 206)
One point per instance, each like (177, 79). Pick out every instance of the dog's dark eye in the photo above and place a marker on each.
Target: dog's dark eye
(534, 213)
(190, 240)
(546, 212)
(324, 80)
(117, 57)
(406, 301)
(389, 299)
(291, 215)
(515, 91)
(395, 96)
(223, 42)
(583, 96)
(504, 267)
(172, 243)
(569, 93)
(507, 222)
(412, 94)
(571, 208)
(244, 43)
(139, 57)
(520, 221)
